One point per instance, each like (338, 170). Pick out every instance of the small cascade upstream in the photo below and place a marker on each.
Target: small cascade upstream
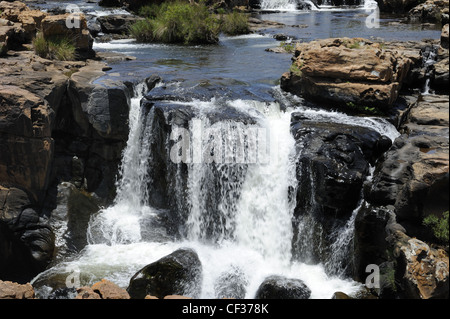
(317, 5)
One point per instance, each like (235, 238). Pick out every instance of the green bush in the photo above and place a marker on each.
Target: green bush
(235, 23)
(439, 226)
(182, 22)
(176, 22)
(57, 48)
(142, 30)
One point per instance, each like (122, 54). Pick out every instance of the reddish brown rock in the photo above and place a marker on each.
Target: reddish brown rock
(108, 290)
(347, 71)
(12, 290)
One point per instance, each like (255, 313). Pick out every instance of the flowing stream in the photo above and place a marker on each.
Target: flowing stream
(250, 236)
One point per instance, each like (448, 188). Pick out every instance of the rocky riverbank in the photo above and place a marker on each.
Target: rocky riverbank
(59, 121)
(410, 181)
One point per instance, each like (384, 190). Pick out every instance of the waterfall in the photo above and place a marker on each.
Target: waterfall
(429, 57)
(120, 223)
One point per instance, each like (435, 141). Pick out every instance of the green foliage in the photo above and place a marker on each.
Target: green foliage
(371, 110)
(295, 69)
(182, 22)
(176, 22)
(142, 30)
(234, 23)
(439, 226)
(58, 48)
(288, 47)
(40, 45)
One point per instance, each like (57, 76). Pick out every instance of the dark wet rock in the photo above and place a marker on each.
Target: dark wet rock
(179, 273)
(397, 6)
(333, 162)
(117, 23)
(279, 287)
(338, 157)
(26, 239)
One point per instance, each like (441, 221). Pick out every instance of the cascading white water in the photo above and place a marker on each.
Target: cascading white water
(252, 233)
(120, 222)
(265, 211)
(294, 5)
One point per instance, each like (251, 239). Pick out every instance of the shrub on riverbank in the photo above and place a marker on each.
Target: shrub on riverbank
(180, 22)
(235, 23)
(58, 48)
(176, 22)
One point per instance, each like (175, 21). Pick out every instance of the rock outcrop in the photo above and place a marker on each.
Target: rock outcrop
(347, 72)
(59, 122)
(409, 183)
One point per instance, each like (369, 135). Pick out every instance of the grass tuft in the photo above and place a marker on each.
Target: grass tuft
(54, 48)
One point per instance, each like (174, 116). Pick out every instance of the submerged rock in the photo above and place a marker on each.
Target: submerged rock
(279, 287)
(179, 273)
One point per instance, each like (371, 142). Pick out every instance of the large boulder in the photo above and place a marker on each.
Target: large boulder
(347, 72)
(279, 287)
(179, 273)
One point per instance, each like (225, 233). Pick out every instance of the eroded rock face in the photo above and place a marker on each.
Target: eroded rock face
(414, 174)
(347, 71)
(426, 269)
(412, 180)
